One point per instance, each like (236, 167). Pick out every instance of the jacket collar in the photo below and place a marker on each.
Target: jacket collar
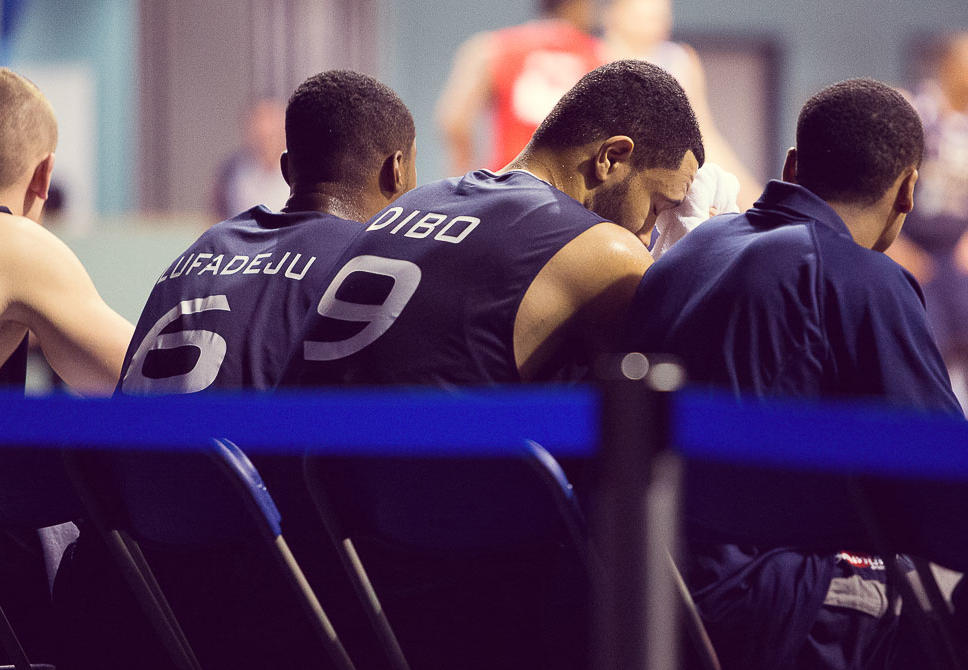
(797, 203)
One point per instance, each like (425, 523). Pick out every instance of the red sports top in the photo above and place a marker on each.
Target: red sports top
(534, 65)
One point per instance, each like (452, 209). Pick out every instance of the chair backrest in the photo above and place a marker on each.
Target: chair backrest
(210, 534)
(35, 490)
(476, 560)
(209, 497)
(452, 504)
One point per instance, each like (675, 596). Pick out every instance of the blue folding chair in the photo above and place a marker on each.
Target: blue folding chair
(210, 534)
(480, 562)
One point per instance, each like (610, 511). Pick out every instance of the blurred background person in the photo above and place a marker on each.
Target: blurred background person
(251, 174)
(517, 74)
(934, 243)
(642, 29)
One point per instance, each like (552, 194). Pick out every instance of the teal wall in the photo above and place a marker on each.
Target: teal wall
(102, 34)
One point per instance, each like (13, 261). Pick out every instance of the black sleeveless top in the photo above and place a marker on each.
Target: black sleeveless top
(428, 293)
(13, 372)
(225, 314)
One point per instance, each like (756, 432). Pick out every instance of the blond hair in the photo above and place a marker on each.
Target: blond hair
(28, 128)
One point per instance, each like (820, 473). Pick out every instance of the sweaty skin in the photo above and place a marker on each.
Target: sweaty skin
(580, 294)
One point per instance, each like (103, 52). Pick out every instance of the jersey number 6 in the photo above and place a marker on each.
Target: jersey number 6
(210, 344)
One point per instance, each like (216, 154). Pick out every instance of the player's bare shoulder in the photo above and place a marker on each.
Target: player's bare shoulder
(22, 242)
(580, 294)
(33, 263)
(598, 258)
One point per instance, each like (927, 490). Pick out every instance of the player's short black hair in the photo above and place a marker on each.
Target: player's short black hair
(341, 124)
(626, 97)
(854, 139)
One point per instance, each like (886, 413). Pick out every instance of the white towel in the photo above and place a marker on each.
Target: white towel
(713, 187)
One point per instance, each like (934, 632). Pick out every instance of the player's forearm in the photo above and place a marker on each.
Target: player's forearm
(88, 355)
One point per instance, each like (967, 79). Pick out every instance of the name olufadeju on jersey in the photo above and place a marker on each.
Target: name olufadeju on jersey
(268, 264)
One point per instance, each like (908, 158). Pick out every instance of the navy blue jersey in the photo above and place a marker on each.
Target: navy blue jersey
(782, 301)
(225, 314)
(428, 294)
(13, 371)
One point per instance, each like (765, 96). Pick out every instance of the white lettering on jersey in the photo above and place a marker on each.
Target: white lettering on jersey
(212, 266)
(256, 265)
(472, 223)
(426, 225)
(229, 270)
(269, 270)
(197, 263)
(386, 218)
(177, 271)
(293, 275)
(253, 268)
(396, 228)
(378, 318)
(210, 344)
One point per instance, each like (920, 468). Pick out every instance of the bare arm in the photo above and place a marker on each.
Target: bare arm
(465, 95)
(45, 288)
(581, 295)
(717, 148)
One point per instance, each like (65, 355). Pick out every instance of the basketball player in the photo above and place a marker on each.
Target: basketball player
(519, 73)
(794, 298)
(223, 317)
(225, 312)
(44, 290)
(43, 287)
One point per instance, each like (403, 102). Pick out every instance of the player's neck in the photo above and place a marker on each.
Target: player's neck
(329, 200)
(13, 199)
(556, 168)
(865, 223)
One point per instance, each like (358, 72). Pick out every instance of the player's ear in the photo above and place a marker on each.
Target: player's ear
(612, 156)
(394, 175)
(40, 181)
(904, 200)
(789, 173)
(284, 166)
